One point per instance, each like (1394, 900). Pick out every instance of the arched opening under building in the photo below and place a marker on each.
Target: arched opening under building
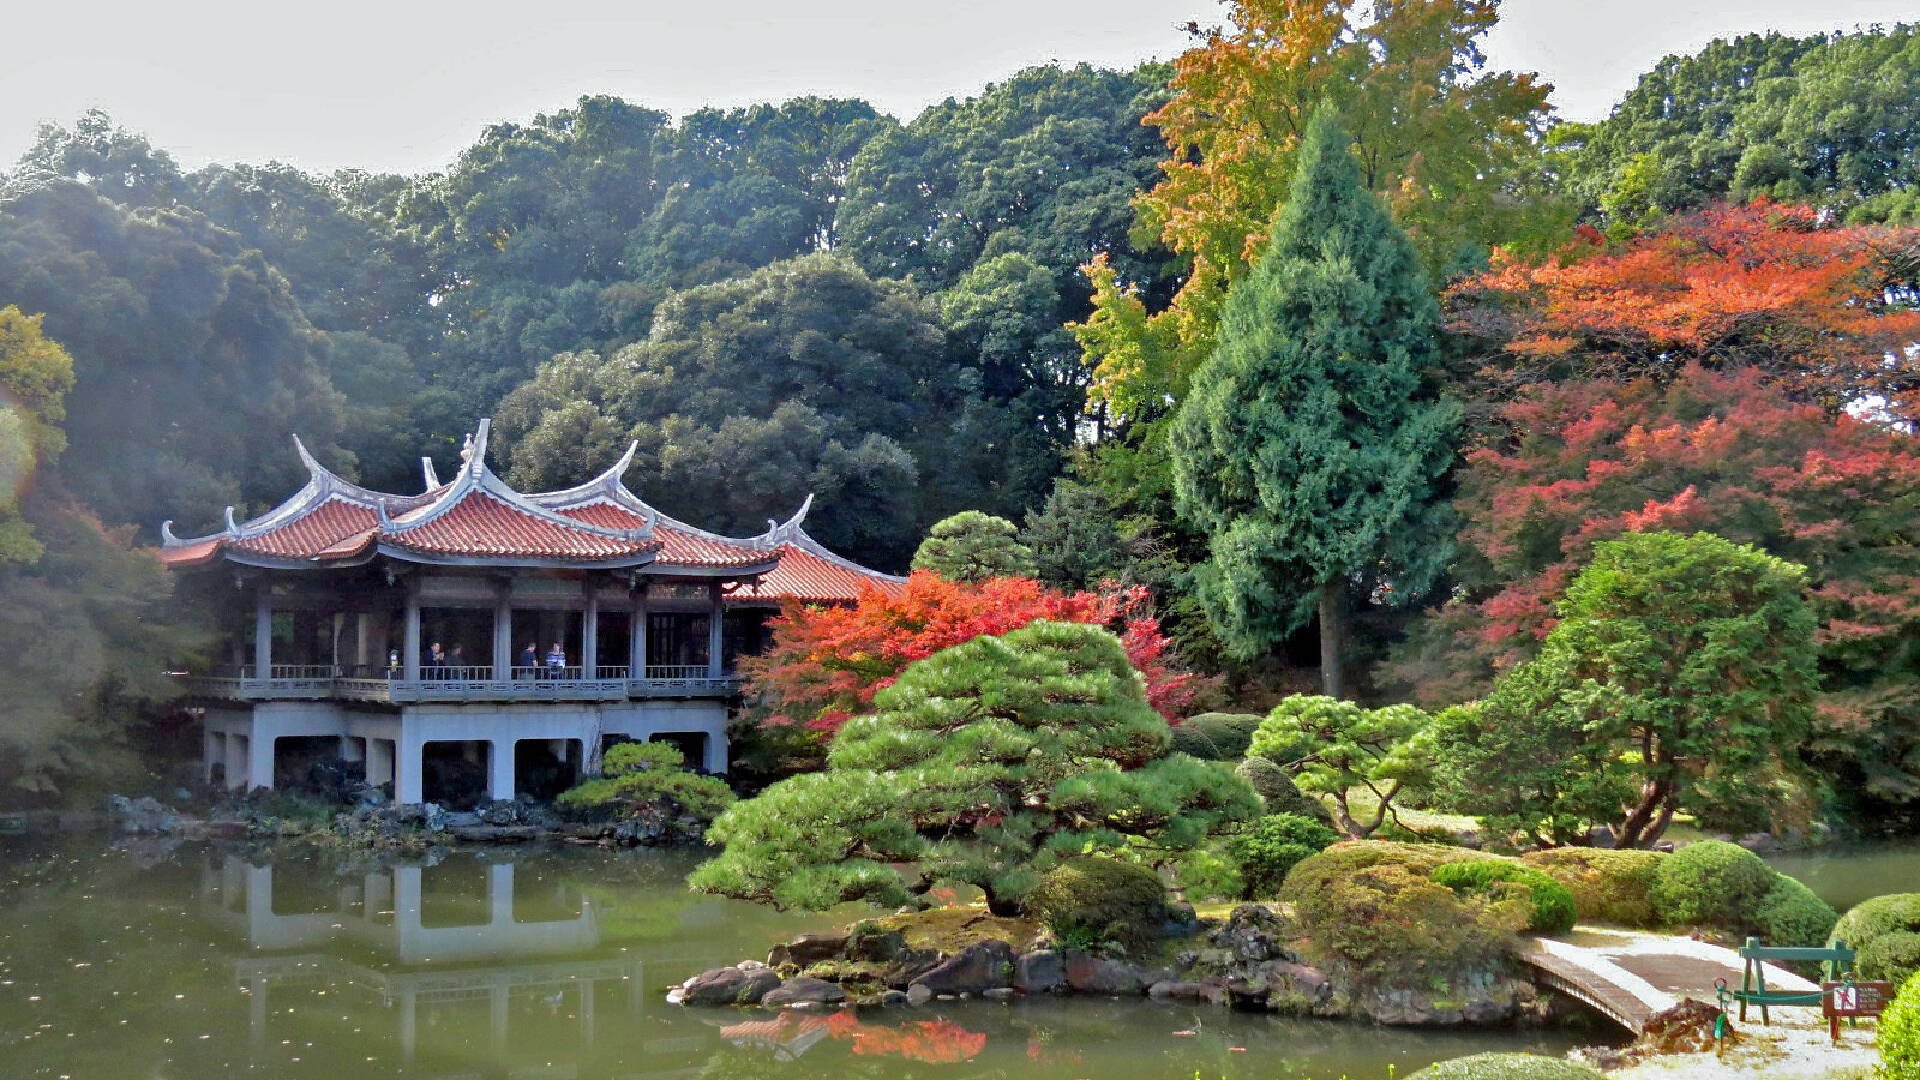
(454, 774)
(543, 768)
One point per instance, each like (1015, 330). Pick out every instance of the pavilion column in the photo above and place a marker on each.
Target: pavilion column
(714, 623)
(590, 633)
(410, 646)
(637, 633)
(263, 631)
(500, 754)
(503, 633)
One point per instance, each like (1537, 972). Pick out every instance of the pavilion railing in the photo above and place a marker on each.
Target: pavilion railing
(468, 683)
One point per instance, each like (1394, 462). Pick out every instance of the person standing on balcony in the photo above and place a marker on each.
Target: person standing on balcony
(530, 660)
(556, 662)
(432, 663)
(457, 662)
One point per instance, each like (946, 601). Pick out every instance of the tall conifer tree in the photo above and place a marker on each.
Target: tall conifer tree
(1310, 448)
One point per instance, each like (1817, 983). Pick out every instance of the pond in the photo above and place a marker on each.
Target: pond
(1845, 875)
(186, 961)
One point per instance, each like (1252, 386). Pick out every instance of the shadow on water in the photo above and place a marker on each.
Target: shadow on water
(199, 961)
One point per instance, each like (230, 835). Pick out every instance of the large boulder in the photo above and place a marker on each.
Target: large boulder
(142, 815)
(807, 949)
(982, 966)
(1040, 972)
(804, 991)
(1090, 974)
(726, 986)
(1254, 933)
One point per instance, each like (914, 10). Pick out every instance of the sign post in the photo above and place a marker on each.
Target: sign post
(1850, 999)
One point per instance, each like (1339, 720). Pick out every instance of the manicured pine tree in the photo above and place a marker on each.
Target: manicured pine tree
(1310, 448)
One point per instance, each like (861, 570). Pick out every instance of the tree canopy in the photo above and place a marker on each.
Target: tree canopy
(1310, 451)
(986, 763)
(971, 547)
(1680, 676)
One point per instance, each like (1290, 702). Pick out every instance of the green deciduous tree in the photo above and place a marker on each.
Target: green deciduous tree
(1335, 748)
(988, 763)
(971, 547)
(1310, 451)
(35, 375)
(1680, 675)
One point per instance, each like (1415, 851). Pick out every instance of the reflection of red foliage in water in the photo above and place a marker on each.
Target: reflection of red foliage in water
(938, 1042)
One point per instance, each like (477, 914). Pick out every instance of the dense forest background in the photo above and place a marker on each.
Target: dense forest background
(989, 306)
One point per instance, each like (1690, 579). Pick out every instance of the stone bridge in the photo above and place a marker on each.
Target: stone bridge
(1632, 977)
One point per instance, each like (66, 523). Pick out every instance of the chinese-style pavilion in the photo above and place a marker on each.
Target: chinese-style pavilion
(473, 627)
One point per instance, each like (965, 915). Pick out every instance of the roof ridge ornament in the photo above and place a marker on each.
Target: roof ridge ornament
(233, 527)
(428, 474)
(612, 477)
(167, 539)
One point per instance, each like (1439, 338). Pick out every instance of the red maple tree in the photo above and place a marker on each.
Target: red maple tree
(1825, 308)
(1726, 452)
(826, 663)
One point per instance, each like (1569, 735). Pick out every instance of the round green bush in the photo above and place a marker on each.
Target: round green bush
(1278, 790)
(1274, 845)
(1899, 1038)
(1194, 742)
(1507, 1067)
(1712, 883)
(1090, 900)
(1791, 915)
(1608, 885)
(1552, 904)
(1894, 957)
(1869, 923)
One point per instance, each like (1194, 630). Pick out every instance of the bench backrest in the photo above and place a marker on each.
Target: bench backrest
(1837, 959)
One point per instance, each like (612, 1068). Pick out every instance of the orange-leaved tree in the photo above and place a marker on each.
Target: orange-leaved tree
(1448, 144)
(826, 663)
(1725, 452)
(1825, 310)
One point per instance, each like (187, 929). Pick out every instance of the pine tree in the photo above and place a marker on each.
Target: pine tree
(988, 763)
(1310, 450)
(972, 546)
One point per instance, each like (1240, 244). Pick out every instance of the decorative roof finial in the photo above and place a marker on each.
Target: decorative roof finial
(233, 528)
(427, 472)
(314, 468)
(167, 539)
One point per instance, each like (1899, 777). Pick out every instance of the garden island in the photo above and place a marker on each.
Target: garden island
(1324, 557)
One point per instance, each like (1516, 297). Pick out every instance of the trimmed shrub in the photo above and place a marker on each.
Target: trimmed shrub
(1791, 915)
(1551, 903)
(1712, 883)
(1507, 1067)
(1899, 1039)
(1872, 921)
(1894, 957)
(1280, 793)
(1372, 910)
(1228, 733)
(1272, 846)
(1608, 886)
(1089, 900)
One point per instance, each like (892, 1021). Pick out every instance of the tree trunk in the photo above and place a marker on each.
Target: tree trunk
(1333, 601)
(1648, 818)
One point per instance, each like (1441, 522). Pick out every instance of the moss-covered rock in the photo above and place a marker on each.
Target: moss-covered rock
(1608, 886)
(1088, 902)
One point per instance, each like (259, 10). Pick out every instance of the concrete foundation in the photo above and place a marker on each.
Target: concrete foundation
(239, 741)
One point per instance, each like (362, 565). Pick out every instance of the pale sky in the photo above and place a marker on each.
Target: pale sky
(402, 85)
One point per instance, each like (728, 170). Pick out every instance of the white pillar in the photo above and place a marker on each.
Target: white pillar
(590, 633)
(353, 748)
(364, 653)
(715, 753)
(236, 761)
(500, 893)
(715, 619)
(380, 761)
(409, 1024)
(212, 748)
(410, 648)
(263, 630)
(260, 761)
(503, 633)
(500, 769)
(408, 780)
(637, 633)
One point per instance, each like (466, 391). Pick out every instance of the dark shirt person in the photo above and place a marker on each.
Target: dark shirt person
(530, 659)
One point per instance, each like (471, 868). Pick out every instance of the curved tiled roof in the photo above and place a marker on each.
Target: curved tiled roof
(476, 519)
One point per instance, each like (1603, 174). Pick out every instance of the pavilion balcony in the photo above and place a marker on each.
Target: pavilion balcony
(306, 682)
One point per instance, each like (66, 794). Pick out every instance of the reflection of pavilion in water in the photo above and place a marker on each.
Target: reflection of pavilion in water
(408, 915)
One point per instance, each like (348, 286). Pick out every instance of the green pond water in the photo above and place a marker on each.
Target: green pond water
(157, 961)
(1844, 876)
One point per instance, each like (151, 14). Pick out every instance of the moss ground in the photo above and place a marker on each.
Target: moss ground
(950, 929)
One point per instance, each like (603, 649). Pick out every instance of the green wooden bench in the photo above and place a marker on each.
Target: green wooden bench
(1834, 962)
